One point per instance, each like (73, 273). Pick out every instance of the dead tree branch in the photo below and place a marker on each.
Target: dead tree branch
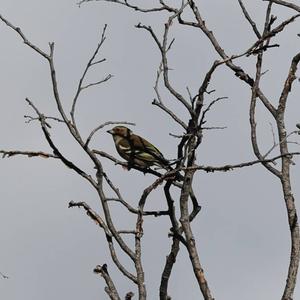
(110, 289)
(10, 153)
(286, 4)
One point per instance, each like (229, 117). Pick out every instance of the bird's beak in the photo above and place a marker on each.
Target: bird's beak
(110, 131)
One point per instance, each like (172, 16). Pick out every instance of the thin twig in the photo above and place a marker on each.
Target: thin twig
(89, 64)
(103, 125)
(229, 167)
(10, 153)
(4, 276)
(30, 119)
(249, 19)
(277, 144)
(134, 7)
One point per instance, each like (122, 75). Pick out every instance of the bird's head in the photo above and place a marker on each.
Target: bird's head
(120, 131)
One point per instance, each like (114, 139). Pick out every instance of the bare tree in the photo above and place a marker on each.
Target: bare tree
(181, 176)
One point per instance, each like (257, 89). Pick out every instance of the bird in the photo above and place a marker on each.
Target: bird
(137, 150)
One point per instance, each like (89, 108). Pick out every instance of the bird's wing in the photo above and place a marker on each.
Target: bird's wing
(146, 150)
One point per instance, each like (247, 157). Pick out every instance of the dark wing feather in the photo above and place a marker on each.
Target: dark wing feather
(146, 151)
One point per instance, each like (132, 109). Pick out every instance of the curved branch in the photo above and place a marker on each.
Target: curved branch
(56, 151)
(98, 220)
(103, 125)
(286, 4)
(286, 183)
(164, 47)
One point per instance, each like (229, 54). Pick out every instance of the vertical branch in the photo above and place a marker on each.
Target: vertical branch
(284, 175)
(138, 247)
(171, 258)
(286, 184)
(164, 50)
(190, 240)
(253, 121)
(138, 257)
(170, 261)
(138, 237)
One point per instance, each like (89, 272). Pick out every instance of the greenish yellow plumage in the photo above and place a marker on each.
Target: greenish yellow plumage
(135, 149)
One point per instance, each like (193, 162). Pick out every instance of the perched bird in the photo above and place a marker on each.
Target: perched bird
(136, 150)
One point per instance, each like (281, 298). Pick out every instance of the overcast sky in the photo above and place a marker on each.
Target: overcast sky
(49, 251)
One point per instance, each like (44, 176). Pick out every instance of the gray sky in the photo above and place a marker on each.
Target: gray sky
(48, 250)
